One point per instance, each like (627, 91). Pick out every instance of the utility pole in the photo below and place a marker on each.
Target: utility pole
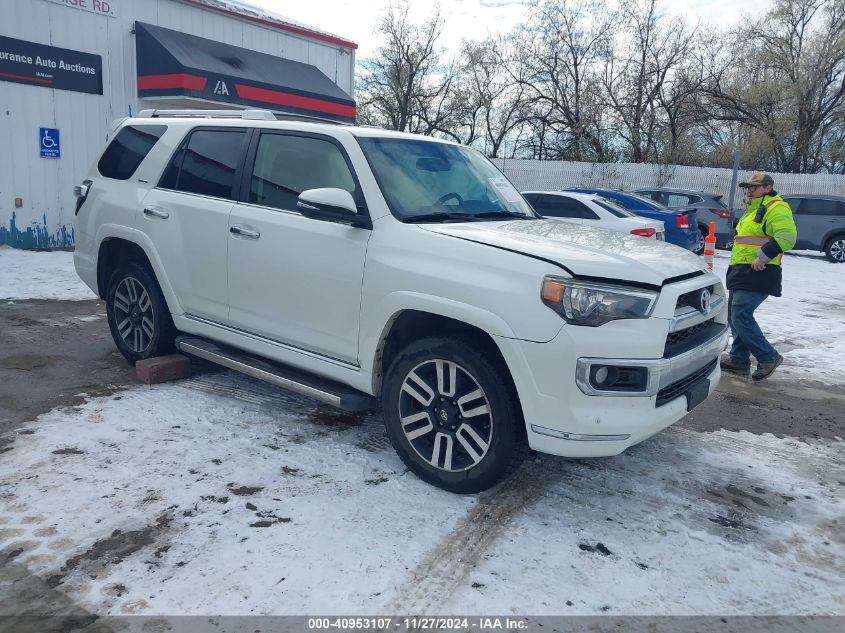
(734, 178)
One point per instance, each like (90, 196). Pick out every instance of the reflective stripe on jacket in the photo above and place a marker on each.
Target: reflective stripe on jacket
(766, 235)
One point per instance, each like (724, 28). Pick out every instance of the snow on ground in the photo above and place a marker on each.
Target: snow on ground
(222, 495)
(40, 275)
(247, 500)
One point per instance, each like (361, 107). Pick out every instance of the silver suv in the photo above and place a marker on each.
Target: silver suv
(820, 221)
(708, 208)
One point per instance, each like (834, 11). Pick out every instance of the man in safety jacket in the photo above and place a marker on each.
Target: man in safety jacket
(765, 232)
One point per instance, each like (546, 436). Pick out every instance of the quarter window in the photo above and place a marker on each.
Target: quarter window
(287, 165)
(206, 164)
(128, 150)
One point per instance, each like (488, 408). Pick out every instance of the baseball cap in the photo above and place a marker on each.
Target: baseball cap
(757, 180)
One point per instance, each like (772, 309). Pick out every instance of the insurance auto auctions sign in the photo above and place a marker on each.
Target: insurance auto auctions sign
(51, 67)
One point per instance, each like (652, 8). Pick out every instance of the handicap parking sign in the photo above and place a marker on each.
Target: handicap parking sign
(48, 141)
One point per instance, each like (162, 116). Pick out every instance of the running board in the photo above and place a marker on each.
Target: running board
(322, 389)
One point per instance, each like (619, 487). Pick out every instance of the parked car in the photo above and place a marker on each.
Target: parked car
(709, 207)
(589, 209)
(362, 267)
(820, 221)
(680, 224)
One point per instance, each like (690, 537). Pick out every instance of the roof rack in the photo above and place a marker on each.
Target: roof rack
(252, 115)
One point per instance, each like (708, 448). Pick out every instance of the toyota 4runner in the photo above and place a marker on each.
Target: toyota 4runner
(362, 267)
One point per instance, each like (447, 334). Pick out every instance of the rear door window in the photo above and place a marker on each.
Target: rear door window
(676, 200)
(128, 150)
(818, 206)
(557, 207)
(207, 163)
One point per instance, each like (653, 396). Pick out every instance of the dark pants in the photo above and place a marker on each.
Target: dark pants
(747, 335)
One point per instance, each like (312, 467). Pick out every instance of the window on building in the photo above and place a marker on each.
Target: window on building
(206, 164)
(287, 165)
(128, 150)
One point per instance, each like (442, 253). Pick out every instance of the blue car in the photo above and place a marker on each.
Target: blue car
(680, 224)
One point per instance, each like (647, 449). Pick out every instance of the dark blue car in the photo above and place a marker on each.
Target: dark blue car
(680, 224)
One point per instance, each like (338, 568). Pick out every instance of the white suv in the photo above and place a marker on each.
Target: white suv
(360, 266)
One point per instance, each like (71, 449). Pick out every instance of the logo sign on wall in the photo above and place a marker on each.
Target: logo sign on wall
(100, 7)
(48, 141)
(51, 67)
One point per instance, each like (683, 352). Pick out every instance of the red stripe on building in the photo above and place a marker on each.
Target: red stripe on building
(306, 103)
(160, 82)
(282, 26)
(39, 80)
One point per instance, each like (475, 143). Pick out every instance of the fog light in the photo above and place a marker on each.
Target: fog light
(600, 375)
(612, 378)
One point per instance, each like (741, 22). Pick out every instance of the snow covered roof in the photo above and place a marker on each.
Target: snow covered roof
(258, 15)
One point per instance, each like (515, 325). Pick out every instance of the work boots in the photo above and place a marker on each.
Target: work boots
(764, 370)
(727, 364)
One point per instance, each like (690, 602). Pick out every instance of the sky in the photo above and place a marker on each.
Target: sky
(470, 19)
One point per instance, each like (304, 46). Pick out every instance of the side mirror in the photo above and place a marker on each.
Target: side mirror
(332, 205)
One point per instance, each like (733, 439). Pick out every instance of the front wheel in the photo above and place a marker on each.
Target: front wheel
(835, 249)
(452, 415)
(138, 317)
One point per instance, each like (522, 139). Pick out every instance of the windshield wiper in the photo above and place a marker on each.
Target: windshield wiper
(441, 216)
(459, 216)
(505, 214)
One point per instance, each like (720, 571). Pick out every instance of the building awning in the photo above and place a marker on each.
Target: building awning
(173, 64)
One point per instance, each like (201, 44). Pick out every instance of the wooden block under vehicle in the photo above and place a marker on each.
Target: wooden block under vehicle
(153, 371)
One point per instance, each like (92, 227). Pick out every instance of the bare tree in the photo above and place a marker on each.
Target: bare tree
(405, 75)
(557, 53)
(643, 73)
(787, 83)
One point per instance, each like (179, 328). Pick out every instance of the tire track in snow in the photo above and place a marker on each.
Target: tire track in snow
(445, 568)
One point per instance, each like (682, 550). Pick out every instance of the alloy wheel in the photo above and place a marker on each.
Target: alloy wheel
(445, 415)
(837, 250)
(134, 314)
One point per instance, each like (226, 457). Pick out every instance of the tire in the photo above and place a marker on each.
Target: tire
(699, 249)
(138, 317)
(426, 417)
(835, 249)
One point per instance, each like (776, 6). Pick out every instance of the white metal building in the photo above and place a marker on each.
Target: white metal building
(68, 68)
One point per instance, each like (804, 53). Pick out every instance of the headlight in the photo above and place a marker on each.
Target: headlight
(593, 304)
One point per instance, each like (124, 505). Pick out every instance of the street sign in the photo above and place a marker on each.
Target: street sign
(48, 141)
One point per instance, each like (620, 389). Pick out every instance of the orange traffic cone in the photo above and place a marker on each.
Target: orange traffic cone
(710, 246)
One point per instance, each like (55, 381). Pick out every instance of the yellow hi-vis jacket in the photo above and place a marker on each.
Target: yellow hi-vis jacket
(765, 231)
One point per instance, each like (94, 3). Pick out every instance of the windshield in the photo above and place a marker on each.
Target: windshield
(428, 180)
(614, 207)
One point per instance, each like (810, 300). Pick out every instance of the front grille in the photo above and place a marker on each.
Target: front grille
(684, 340)
(686, 299)
(677, 388)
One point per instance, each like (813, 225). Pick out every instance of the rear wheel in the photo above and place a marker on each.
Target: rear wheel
(138, 317)
(452, 415)
(699, 249)
(835, 249)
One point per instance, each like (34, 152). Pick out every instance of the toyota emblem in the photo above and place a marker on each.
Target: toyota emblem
(704, 301)
(443, 415)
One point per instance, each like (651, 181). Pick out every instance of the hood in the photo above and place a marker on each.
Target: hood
(583, 250)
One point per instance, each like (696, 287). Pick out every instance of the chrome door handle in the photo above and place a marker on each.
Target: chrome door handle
(237, 229)
(156, 213)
